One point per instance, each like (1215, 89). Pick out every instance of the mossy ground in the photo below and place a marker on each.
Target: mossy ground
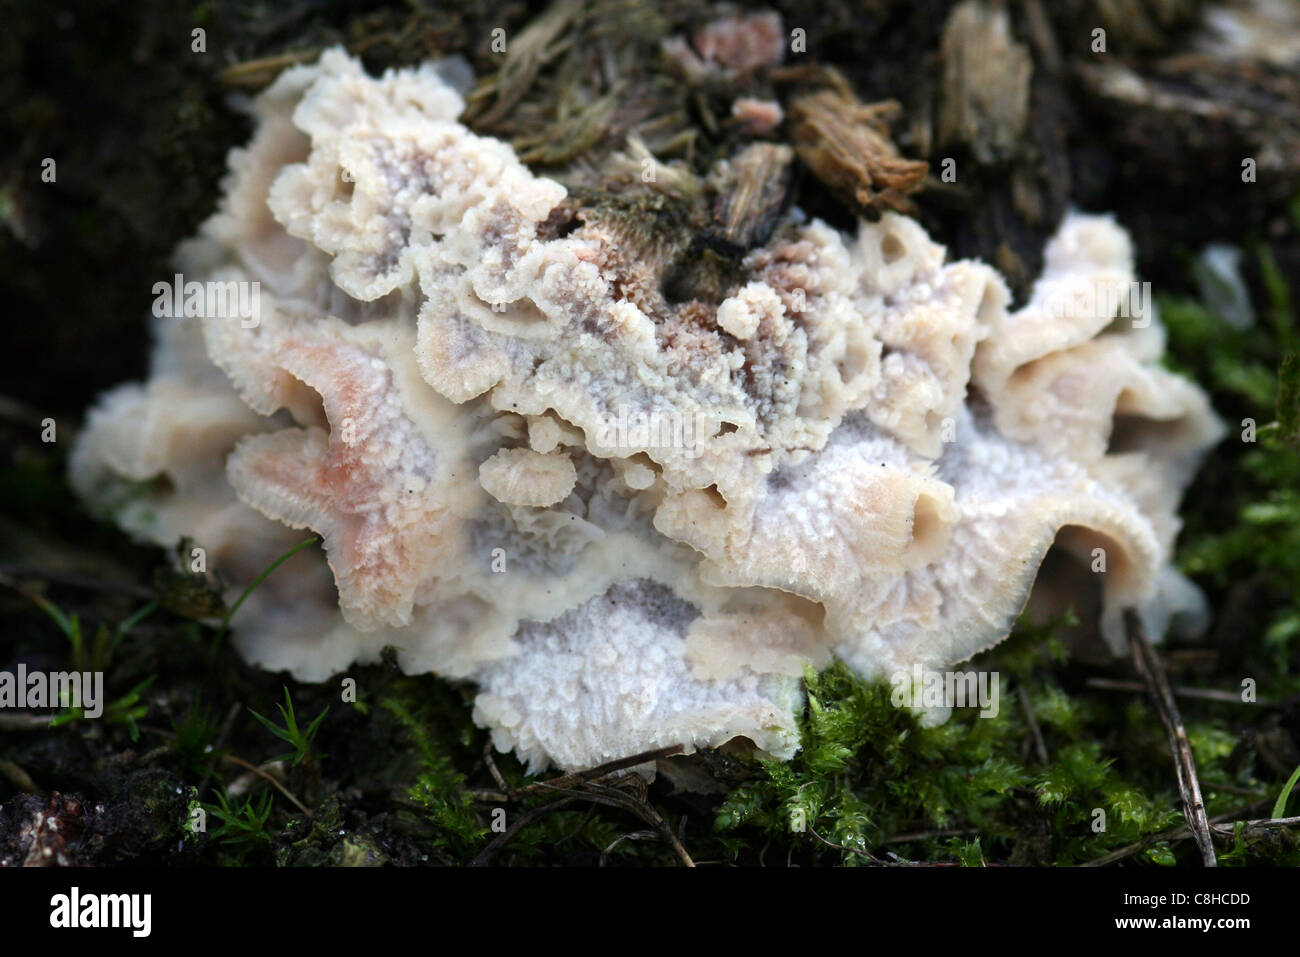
(400, 775)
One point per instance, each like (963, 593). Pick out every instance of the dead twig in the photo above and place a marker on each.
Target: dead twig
(255, 74)
(270, 777)
(600, 771)
(523, 821)
(581, 786)
(26, 722)
(1148, 665)
(848, 850)
(1039, 744)
(896, 862)
(504, 793)
(1224, 825)
(489, 796)
(219, 742)
(631, 836)
(615, 797)
(492, 767)
(1256, 826)
(929, 835)
(1204, 694)
(1128, 850)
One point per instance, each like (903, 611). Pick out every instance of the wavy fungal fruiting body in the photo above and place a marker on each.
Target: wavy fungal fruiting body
(631, 522)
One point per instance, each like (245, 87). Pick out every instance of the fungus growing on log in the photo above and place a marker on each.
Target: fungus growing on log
(631, 521)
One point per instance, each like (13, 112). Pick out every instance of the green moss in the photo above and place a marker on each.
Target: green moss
(439, 788)
(871, 780)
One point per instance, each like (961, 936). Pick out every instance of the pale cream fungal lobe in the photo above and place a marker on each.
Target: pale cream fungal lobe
(525, 477)
(630, 521)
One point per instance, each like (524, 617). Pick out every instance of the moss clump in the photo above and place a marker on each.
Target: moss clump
(874, 786)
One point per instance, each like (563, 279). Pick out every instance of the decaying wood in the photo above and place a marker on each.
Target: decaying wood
(984, 98)
(752, 196)
(846, 145)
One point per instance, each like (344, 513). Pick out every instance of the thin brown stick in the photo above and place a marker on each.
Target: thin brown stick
(26, 722)
(492, 767)
(929, 835)
(219, 742)
(523, 821)
(503, 793)
(1204, 694)
(897, 862)
(600, 771)
(1128, 850)
(631, 836)
(257, 73)
(614, 797)
(1041, 36)
(585, 786)
(848, 850)
(1223, 826)
(1040, 745)
(1149, 666)
(270, 777)
(489, 796)
(1153, 673)
(1257, 825)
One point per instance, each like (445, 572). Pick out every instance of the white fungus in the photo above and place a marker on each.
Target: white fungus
(630, 522)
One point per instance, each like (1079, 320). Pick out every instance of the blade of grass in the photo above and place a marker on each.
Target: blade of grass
(225, 622)
(1279, 809)
(125, 627)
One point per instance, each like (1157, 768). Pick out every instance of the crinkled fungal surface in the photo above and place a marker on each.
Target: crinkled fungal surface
(631, 521)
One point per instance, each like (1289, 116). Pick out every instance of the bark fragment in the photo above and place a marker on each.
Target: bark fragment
(847, 146)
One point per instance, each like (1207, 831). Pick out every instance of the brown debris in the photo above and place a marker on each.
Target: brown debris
(578, 80)
(743, 44)
(542, 41)
(45, 838)
(256, 74)
(984, 99)
(752, 194)
(1217, 111)
(1132, 26)
(757, 117)
(846, 144)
